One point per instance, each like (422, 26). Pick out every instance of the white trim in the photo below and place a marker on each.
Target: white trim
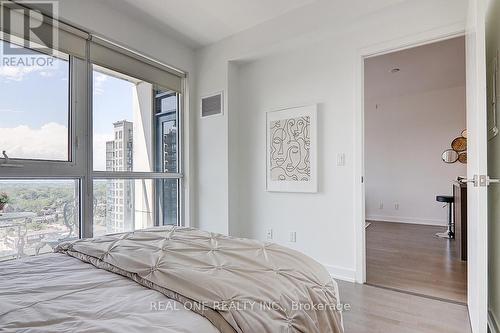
(409, 220)
(185, 153)
(426, 37)
(341, 273)
(477, 164)
(493, 323)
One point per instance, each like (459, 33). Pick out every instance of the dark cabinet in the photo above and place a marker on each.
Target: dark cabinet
(460, 216)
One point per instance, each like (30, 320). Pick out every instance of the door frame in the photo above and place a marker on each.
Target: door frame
(477, 263)
(428, 37)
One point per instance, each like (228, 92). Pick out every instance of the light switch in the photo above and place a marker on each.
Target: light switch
(341, 159)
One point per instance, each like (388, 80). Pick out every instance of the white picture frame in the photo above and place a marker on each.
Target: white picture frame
(291, 150)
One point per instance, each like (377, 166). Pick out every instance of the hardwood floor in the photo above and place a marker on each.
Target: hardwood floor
(377, 310)
(409, 258)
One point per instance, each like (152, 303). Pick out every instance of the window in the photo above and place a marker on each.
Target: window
(42, 177)
(40, 214)
(135, 131)
(35, 107)
(167, 156)
(123, 211)
(136, 178)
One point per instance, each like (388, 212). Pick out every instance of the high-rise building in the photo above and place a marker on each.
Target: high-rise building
(120, 192)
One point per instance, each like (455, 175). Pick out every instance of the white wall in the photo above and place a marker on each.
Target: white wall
(404, 139)
(323, 221)
(283, 63)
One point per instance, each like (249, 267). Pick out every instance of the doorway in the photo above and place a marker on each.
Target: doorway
(414, 152)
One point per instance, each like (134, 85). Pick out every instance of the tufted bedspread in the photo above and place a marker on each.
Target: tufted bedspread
(240, 285)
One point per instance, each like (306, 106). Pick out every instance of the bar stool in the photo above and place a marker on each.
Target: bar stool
(450, 232)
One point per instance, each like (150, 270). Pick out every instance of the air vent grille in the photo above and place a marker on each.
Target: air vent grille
(211, 105)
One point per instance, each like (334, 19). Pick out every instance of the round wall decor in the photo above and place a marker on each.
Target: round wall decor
(449, 156)
(459, 144)
(462, 157)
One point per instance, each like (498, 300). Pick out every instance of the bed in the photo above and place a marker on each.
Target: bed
(168, 279)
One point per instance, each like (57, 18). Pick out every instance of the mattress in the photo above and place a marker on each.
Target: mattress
(168, 279)
(58, 293)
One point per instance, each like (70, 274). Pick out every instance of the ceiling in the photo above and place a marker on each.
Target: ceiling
(433, 66)
(202, 22)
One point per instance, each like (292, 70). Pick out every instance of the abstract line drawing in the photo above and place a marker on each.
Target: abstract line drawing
(291, 150)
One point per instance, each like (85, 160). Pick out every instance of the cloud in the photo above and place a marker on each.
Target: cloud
(99, 79)
(16, 67)
(17, 73)
(10, 111)
(99, 156)
(46, 73)
(48, 142)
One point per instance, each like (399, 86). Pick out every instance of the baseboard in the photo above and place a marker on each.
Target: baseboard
(492, 323)
(411, 220)
(340, 273)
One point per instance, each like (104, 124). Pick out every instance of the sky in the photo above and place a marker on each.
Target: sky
(112, 101)
(34, 110)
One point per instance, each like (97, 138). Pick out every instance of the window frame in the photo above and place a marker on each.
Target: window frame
(80, 136)
(75, 169)
(180, 161)
(72, 167)
(92, 174)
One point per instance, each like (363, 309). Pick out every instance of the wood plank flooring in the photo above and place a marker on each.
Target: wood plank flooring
(377, 310)
(409, 258)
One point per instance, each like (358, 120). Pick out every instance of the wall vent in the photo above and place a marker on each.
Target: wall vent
(211, 105)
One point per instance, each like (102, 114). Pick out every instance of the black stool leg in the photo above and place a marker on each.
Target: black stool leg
(451, 224)
(450, 232)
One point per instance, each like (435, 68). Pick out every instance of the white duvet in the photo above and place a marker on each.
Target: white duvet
(58, 293)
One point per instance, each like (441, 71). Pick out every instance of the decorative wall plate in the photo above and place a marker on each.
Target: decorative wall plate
(462, 157)
(459, 144)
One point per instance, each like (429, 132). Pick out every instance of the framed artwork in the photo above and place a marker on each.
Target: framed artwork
(291, 154)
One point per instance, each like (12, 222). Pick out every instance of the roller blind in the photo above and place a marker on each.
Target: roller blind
(46, 31)
(109, 55)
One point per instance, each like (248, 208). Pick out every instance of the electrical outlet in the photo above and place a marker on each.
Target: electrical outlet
(269, 233)
(293, 237)
(381, 206)
(396, 206)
